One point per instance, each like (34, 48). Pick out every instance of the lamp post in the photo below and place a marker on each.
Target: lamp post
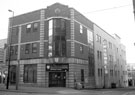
(9, 47)
(18, 57)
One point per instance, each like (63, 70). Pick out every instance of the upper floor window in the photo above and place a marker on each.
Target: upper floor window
(81, 29)
(110, 45)
(35, 27)
(59, 25)
(27, 48)
(50, 37)
(98, 54)
(63, 24)
(34, 47)
(59, 37)
(110, 58)
(98, 38)
(16, 49)
(104, 42)
(15, 30)
(11, 50)
(28, 28)
(90, 35)
(81, 48)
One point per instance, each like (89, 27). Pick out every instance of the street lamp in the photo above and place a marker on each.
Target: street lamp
(9, 47)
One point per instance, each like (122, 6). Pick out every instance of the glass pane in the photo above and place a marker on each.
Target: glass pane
(63, 24)
(35, 25)
(29, 26)
(50, 24)
(57, 47)
(50, 34)
(57, 23)
(81, 29)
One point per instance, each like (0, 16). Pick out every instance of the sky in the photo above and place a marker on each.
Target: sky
(114, 16)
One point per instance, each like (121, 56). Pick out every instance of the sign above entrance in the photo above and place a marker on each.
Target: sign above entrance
(57, 67)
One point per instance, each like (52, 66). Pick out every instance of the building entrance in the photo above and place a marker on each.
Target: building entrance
(57, 79)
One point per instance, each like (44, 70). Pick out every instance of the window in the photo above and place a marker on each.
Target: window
(16, 49)
(57, 23)
(111, 72)
(98, 38)
(82, 75)
(81, 48)
(30, 73)
(12, 72)
(11, 50)
(105, 43)
(98, 72)
(27, 48)
(59, 40)
(81, 29)
(57, 48)
(110, 58)
(63, 45)
(101, 72)
(63, 25)
(110, 45)
(50, 38)
(90, 38)
(28, 28)
(34, 47)
(35, 27)
(98, 55)
(15, 30)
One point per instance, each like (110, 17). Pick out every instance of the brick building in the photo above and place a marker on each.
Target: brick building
(58, 47)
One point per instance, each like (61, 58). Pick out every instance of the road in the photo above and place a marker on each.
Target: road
(123, 91)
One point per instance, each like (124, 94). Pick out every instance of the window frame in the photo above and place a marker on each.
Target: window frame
(81, 48)
(35, 28)
(27, 48)
(81, 29)
(28, 28)
(30, 70)
(34, 48)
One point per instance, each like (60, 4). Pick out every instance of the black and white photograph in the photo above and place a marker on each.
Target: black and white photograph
(67, 47)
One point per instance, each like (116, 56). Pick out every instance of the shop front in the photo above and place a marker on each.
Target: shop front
(57, 74)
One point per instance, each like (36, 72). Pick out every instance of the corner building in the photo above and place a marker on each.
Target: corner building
(54, 47)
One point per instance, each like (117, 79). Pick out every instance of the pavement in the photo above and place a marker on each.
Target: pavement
(41, 90)
(59, 90)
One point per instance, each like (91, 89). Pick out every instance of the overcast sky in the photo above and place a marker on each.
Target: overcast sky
(114, 16)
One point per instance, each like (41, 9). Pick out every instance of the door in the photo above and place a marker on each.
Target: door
(57, 79)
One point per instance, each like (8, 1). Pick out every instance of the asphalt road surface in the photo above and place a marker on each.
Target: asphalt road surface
(123, 91)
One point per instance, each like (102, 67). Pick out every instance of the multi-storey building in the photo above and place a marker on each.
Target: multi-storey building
(59, 47)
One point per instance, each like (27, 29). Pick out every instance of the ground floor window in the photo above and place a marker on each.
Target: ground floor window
(12, 74)
(30, 73)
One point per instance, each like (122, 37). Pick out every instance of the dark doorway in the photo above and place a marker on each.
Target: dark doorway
(57, 79)
(12, 74)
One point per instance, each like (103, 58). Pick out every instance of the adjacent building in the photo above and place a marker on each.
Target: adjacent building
(2, 58)
(59, 47)
(131, 74)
